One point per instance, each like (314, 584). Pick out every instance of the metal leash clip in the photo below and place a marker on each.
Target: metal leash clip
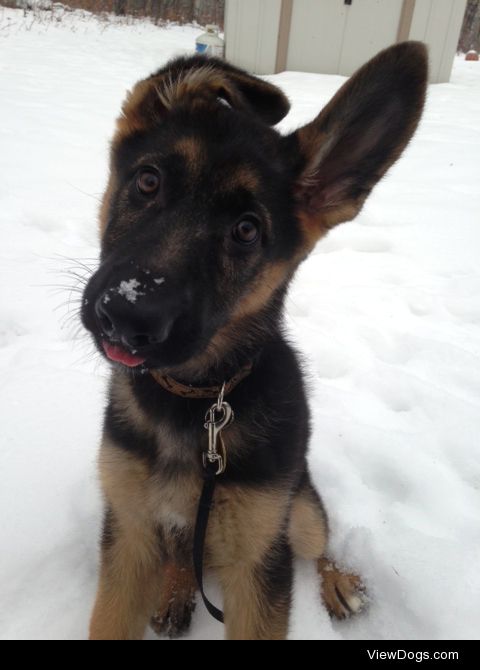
(219, 416)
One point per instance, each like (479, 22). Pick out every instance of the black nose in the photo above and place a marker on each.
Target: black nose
(137, 324)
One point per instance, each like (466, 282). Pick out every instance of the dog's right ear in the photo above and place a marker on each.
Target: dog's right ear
(342, 154)
(199, 80)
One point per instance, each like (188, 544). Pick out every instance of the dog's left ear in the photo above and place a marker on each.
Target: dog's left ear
(343, 153)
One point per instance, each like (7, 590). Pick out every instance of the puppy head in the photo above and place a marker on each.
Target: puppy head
(209, 210)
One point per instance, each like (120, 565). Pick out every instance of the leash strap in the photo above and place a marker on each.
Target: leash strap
(204, 507)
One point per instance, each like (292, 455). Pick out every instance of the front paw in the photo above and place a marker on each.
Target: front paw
(176, 620)
(174, 612)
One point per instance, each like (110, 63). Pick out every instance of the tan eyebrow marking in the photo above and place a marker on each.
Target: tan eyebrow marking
(192, 150)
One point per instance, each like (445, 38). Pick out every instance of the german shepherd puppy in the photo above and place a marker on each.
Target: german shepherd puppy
(207, 215)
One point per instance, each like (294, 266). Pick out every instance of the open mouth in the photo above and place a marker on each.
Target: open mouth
(120, 355)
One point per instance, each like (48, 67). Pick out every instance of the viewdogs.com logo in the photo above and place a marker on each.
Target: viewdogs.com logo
(418, 656)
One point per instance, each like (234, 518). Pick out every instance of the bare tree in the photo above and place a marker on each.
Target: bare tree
(120, 7)
(183, 11)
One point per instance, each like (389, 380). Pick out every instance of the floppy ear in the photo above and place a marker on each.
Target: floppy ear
(199, 80)
(355, 139)
(252, 94)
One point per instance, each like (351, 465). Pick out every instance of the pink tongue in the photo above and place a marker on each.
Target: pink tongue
(121, 356)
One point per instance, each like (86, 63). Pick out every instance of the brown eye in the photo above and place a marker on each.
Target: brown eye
(247, 231)
(148, 182)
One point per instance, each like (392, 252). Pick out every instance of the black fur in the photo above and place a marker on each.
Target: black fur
(128, 437)
(276, 574)
(109, 529)
(270, 410)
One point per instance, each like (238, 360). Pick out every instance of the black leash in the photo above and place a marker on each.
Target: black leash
(219, 416)
(204, 507)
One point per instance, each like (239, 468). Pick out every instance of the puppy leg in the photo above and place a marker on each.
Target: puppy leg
(257, 597)
(342, 593)
(246, 545)
(174, 613)
(308, 526)
(129, 582)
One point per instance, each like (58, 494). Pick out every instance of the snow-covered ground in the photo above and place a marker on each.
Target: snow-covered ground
(387, 312)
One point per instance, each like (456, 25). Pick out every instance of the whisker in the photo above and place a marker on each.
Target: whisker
(90, 195)
(68, 304)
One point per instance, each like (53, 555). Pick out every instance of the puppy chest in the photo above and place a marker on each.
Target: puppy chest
(173, 501)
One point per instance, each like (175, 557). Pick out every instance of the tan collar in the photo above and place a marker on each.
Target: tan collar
(186, 391)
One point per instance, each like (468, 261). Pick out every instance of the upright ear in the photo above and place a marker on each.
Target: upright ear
(355, 139)
(199, 80)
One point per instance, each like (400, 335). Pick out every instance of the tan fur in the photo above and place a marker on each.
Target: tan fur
(130, 567)
(133, 491)
(178, 593)
(189, 83)
(244, 524)
(192, 150)
(245, 617)
(131, 573)
(133, 582)
(129, 582)
(268, 281)
(307, 530)
(335, 582)
(315, 225)
(125, 481)
(240, 177)
(308, 537)
(243, 527)
(133, 118)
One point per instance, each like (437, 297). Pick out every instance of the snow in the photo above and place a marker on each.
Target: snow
(129, 290)
(386, 311)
